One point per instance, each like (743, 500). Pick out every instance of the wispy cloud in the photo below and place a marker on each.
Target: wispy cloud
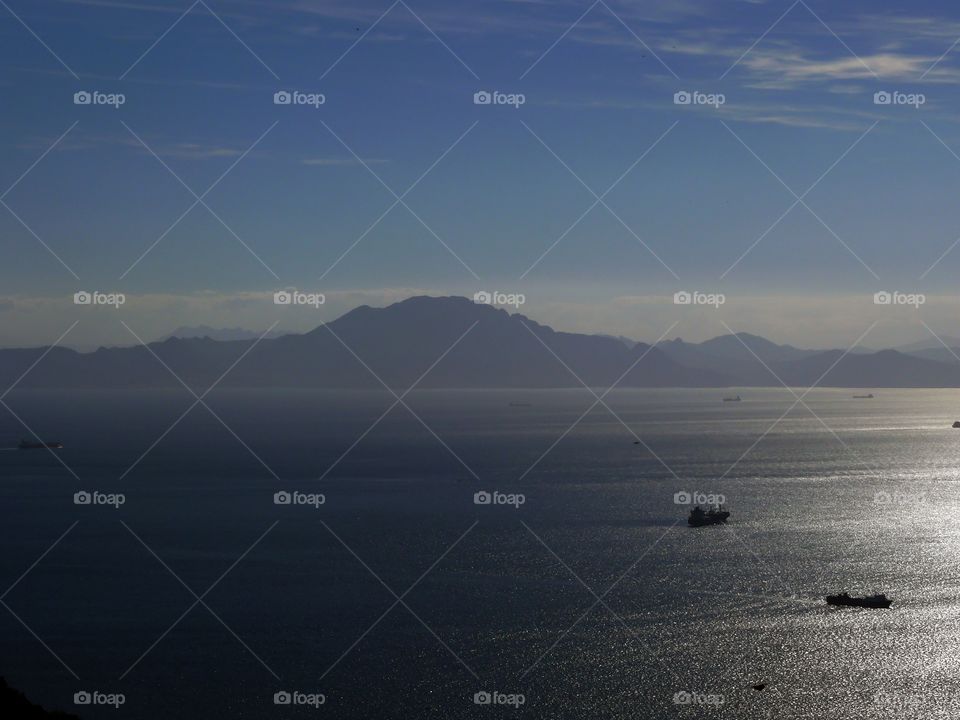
(340, 161)
(795, 67)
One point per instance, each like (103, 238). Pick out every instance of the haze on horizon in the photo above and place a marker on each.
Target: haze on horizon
(797, 198)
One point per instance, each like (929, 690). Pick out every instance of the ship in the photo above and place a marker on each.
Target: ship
(732, 399)
(712, 516)
(871, 601)
(957, 424)
(863, 397)
(31, 445)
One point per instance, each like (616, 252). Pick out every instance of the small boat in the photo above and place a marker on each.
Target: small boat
(713, 516)
(871, 601)
(863, 397)
(736, 398)
(30, 445)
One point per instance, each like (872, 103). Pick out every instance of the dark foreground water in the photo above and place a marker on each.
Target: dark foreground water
(589, 600)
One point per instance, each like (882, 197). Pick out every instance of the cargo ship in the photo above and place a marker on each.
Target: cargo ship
(871, 601)
(31, 445)
(714, 516)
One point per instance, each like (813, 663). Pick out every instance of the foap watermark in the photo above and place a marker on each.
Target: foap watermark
(314, 500)
(495, 97)
(295, 97)
(684, 497)
(696, 297)
(95, 697)
(695, 97)
(692, 697)
(296, 697)
(899, 498)
(96, 297)
(95, 97)
(95, 497)
(496, 497)
(895, 97)
(899, 298)
(494, 697)
(514, 300)
(295, 297)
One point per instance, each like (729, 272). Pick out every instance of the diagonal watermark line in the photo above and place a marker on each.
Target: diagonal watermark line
(178, 21)
(597, 601)
(596, 402)
(557, 41)
(359, 39)
(36, 362)
(639, 39)
(791, 592)
(39, 40)
(37, 561)
(753, 596)
(579, 20)
(799, 200)
(940, 340)
(840, 40)
(604, 603)
(157, 41)
(201, 401)
(399, 599)
(798, 400)
(440, 40)
(819, 20)
(398, 200)
(940, 140)
(199, 199)
(379, 20)
(759, 39)
(601, 401)
(39, 159)
(940, 59)
(957, 157)
(199, 599)
(239, 39)
(39, 240)
(39, 639)
(197, 401)
(19, 380)
(19, 219)
(599, 200)
(17, 582)
(40, 440)
(940, 259)
(399, 400)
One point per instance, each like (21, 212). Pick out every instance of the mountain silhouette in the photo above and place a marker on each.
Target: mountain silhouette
(201, 331)
(448, 342)
(15, 705)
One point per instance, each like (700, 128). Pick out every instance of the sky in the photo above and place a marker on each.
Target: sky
(784, 186)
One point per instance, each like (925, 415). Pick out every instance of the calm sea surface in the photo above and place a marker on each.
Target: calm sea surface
(401, 597)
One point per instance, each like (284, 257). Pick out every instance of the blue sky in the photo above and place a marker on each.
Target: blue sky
(501, 202)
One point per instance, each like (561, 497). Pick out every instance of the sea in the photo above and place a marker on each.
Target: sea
(481, 554)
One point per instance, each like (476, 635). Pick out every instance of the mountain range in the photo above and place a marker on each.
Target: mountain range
(202, 331)
(446, 342)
